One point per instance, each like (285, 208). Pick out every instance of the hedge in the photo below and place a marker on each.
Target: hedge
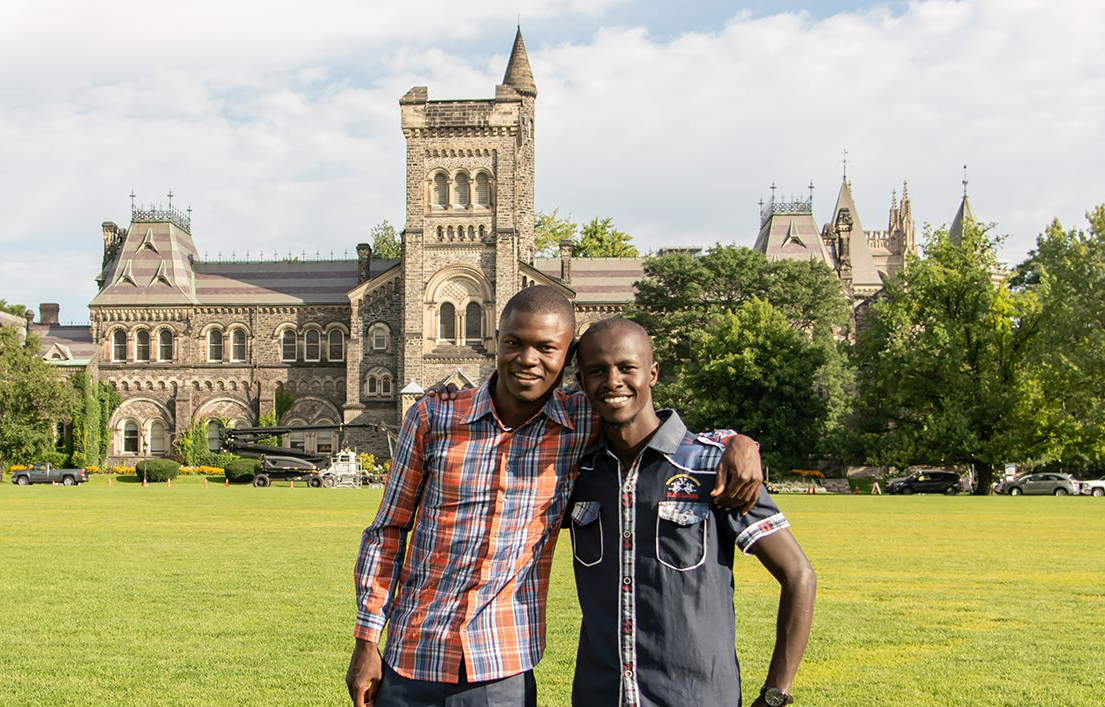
(241, 470)
(157, 469)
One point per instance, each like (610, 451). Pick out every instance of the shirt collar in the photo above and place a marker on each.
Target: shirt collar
(483, 405)
(666, 439)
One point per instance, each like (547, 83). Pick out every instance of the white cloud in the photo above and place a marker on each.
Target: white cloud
(279, 123)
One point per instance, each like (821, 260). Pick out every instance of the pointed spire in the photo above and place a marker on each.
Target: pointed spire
(962, 217)
(518, 73)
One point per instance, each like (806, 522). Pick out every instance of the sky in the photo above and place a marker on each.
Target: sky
(278, 121)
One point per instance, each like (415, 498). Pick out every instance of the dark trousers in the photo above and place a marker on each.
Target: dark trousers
(514, 691)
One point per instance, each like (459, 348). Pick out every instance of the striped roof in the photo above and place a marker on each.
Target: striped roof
(66, 345)
(303, 282)
(599, 280)
(154, 266)
(792, 236)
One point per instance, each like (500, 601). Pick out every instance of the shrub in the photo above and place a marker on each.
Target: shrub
(241, 470)
(157, 469)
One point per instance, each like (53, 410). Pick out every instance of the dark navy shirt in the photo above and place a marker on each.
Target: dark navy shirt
(653, 562)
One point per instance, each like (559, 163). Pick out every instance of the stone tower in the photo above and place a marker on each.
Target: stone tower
(469, 222)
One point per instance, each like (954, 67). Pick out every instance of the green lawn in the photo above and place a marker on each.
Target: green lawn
(131, 596)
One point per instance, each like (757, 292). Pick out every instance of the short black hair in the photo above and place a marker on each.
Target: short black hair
(541, 299)
(616, 324)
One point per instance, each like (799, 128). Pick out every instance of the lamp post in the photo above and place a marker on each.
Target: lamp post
(144, 447)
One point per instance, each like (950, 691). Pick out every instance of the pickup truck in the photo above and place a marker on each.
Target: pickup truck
(43, 473)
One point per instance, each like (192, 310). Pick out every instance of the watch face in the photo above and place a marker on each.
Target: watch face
(775, 697)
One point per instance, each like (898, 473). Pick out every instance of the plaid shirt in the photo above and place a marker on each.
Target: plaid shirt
(483, 504)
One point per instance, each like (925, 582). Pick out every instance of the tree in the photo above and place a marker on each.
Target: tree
(1066, 271)
(682, 295)
(944, 360)
(600, 239)
(756, 372)
(385, 242)
(18, 310)
(33, 397)
(549, 230)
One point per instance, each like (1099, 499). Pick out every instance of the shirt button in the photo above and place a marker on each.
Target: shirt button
(629, 673)
(627, 534)
(626, 580)
(627, 487)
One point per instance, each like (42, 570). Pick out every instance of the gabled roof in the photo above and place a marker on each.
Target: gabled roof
(963, 216)
(518, 74)
(864, 272)
(792, 236)
(284, 282)
(66, 345)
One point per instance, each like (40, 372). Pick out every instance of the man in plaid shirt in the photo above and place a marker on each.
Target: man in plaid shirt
(480, 481)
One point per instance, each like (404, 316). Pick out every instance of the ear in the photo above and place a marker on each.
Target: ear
(653, 374)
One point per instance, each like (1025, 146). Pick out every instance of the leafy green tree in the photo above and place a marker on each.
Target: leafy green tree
(385, 242)
(682, 296)
(600, 239)
(1066, 271)
(18, 310)
(549, 230)
(755, 371)
(945, 372)
(33, 397)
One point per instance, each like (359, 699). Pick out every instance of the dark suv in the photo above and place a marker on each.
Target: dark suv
(926, 481)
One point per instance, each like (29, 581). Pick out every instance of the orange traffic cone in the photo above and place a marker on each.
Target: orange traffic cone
(227, 481)
(205, 482)
(143, 482)
(291, 484)
(168, 483)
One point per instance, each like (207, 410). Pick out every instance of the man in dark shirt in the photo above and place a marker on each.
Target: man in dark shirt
(653, 557)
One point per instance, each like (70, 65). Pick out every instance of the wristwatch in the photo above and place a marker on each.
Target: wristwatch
(775, 697)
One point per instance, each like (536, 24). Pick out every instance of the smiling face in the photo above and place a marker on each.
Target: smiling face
(531, 352)
(617, 372)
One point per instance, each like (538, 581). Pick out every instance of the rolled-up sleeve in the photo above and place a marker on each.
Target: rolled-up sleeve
(764, 519)
(383, 543)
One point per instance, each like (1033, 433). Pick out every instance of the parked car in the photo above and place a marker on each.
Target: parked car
(926, 481)
(43, 473)
(1050, 483)
(1093, 487)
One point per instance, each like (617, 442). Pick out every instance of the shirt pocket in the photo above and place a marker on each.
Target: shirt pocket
(587, 533)
(681, 534)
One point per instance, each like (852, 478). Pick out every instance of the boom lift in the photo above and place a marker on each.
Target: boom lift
(290, 464)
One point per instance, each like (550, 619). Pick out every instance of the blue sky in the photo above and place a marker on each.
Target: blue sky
(278, 121)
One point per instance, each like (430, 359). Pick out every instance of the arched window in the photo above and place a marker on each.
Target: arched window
(385, 386)
(119, 345)
(158, 437)
(288, 345)
(165, 345)
(214, 345)
(238, 345)
(297, 441)
(378, 335)
(130, 437)
(473, 322)
(462, 192)
(441, 191)
(312, 348)
(447, 327)
(483, 190)
(142, 345)
(213, 428)
(336, 345)
(371, 385)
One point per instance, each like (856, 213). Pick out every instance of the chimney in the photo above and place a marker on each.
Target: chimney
(566, 261)
(48, 313)
(111, 241)
(364, 261)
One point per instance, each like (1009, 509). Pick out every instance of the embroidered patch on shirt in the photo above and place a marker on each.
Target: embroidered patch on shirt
(682, 486)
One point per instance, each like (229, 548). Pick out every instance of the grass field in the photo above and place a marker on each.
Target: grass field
(129, 596)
